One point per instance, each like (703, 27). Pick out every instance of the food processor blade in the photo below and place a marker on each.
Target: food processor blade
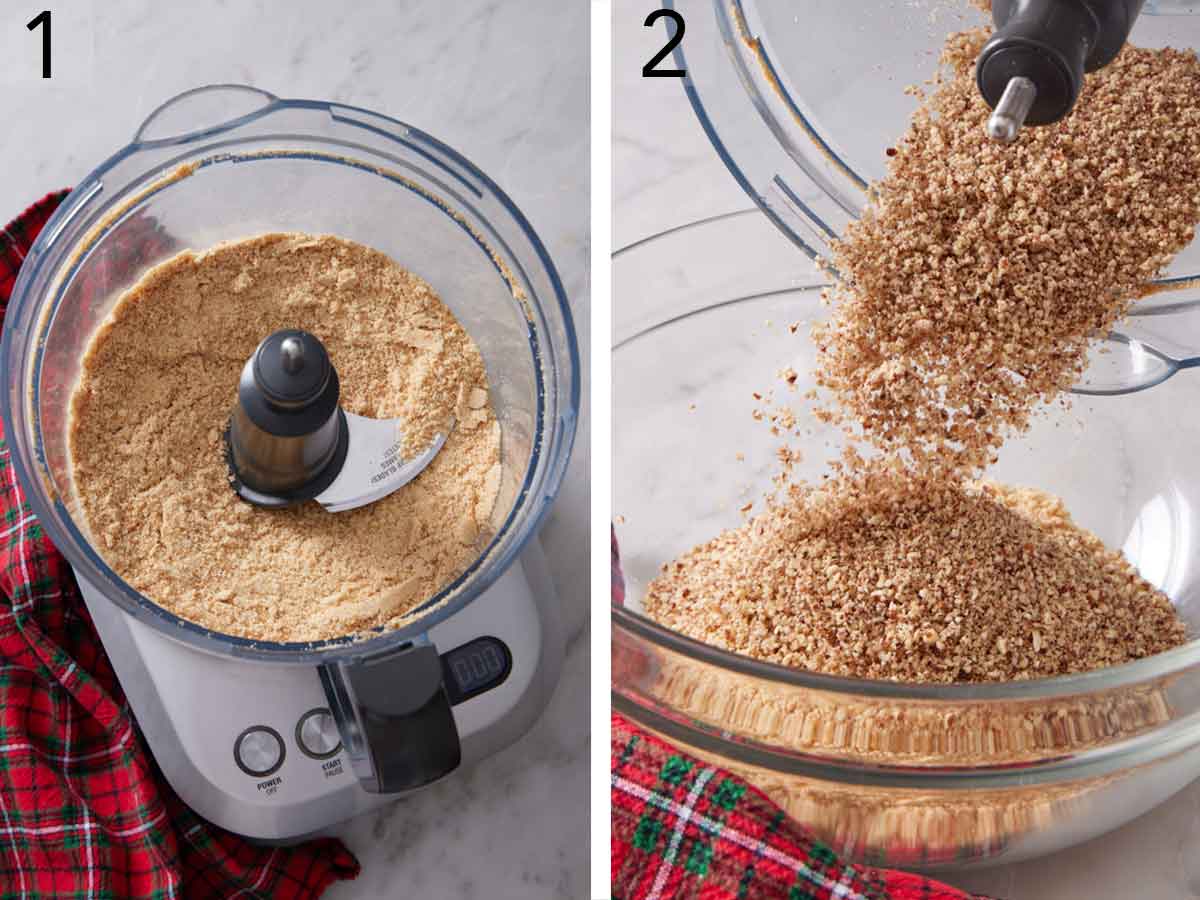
(374, 467)
(290, 441)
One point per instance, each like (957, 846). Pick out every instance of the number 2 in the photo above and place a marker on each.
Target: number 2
(649, 70)
(43, 18)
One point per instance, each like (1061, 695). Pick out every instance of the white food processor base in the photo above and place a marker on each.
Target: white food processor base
(211, 719)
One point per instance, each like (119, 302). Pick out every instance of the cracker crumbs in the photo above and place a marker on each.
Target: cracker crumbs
(973, 283)
(967, 296)
(881, 575)
(159, 381)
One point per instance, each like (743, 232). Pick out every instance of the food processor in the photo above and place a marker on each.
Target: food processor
(801, 106)
(280, 740)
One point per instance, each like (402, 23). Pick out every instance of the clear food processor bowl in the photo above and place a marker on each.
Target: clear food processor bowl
(930, 776)
(228, 162)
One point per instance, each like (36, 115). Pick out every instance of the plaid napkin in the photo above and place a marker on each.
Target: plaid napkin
(686, 830)
(84, 811)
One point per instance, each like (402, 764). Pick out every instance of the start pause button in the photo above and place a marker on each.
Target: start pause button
(317, 734)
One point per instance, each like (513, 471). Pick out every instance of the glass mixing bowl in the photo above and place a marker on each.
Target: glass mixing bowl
(909, 775)
(228, 162)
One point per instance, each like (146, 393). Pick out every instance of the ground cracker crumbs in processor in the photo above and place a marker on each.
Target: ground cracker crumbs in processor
(155, 393)
(968, 295)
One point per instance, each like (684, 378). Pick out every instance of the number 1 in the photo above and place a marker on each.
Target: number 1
(43, 19)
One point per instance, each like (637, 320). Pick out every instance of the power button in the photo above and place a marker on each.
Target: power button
(258, 751)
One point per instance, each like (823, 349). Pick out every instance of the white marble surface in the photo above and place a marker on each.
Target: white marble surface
(505, 83)
(666, 174)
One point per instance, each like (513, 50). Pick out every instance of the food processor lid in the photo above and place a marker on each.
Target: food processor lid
(803, 101)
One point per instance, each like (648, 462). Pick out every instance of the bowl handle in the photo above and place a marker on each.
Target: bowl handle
(202, 110)
(394, 717)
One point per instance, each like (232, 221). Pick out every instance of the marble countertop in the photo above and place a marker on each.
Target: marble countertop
(506, 84)
(667, 174)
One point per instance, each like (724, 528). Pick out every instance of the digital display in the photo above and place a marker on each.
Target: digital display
(475, 667)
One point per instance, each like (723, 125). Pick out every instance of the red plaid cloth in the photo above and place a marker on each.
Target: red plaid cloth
(84, 812)
(685, 830)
